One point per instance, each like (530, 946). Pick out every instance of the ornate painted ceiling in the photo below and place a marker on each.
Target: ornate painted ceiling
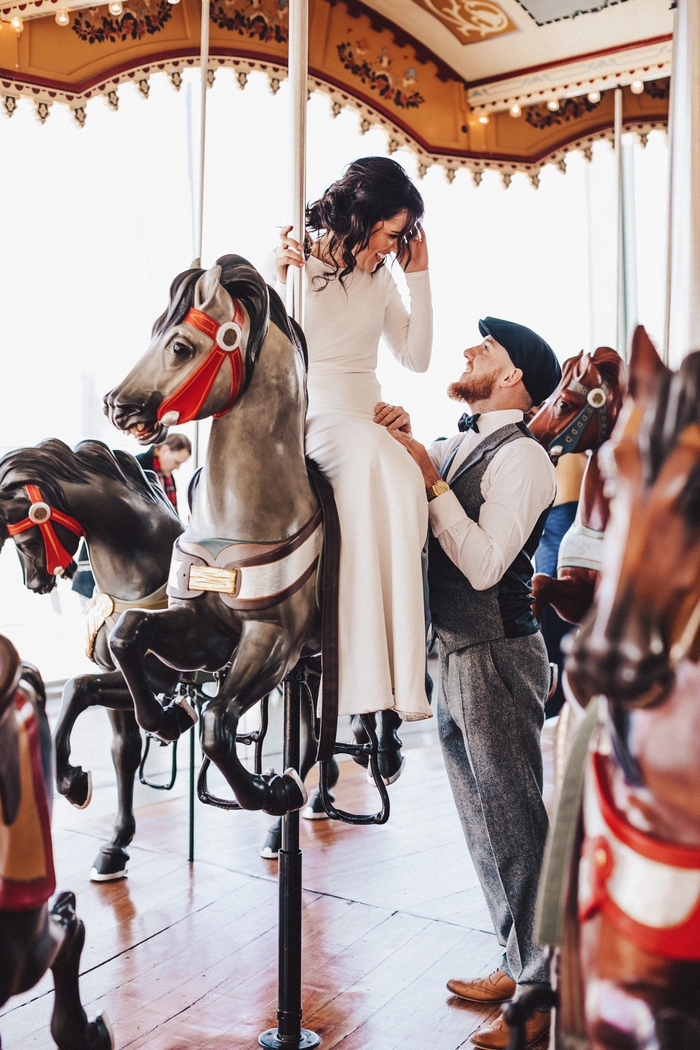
(505, 84)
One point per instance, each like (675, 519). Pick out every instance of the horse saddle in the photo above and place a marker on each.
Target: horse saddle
(247, 576)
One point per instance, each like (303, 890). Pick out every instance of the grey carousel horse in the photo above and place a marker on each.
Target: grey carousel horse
(50, 496)
(243, 583)
(34, 936)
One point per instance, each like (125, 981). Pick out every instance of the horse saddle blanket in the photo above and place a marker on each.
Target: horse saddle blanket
(104, 608)
(580, 548)
(27, 878)
(649, 889)
(247, 576)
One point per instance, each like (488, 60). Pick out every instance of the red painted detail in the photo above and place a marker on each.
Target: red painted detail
(56, 554)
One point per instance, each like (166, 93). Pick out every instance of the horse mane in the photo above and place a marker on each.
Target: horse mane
(242, 281)
(52, 461)
(610, 365)
(676, 406)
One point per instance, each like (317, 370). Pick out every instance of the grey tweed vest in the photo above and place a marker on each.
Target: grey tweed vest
(461, 615)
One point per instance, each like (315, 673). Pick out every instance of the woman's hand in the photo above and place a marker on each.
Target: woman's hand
(419, 253)
(393, 417)
(288, 254)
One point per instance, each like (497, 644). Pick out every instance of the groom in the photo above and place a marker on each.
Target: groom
(490, 488)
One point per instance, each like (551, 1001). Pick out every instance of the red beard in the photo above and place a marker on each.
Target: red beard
(476, 388)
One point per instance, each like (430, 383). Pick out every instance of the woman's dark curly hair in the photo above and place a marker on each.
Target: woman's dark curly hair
(371, 190)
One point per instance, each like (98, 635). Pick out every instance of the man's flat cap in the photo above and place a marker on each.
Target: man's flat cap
(528, 352)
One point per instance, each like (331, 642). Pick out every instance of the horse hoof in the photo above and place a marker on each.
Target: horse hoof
(315, 810)
(187, 707)
(109, 865)
(99, 1033)
(289, 793)
(77, 788)
(386, 767)
(270, 850)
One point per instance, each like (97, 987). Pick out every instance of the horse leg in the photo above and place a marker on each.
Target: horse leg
(69, 1024)
(390, 759)
(261, 660)
(178, 636)
(110, 863)
(89, 690)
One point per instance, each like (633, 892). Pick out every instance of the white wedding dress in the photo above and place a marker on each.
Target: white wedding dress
(378, 488)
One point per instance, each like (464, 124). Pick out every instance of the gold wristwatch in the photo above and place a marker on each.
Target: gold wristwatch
(437, 489)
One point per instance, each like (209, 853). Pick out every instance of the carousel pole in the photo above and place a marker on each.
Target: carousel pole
(289, 1033)
(204, 70)
(683, 285)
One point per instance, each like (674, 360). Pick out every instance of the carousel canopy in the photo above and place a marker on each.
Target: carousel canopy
(505, 84)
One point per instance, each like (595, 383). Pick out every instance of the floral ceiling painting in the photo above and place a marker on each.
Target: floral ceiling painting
(469, 20)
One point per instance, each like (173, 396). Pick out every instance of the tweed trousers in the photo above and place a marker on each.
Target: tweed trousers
(490, 715)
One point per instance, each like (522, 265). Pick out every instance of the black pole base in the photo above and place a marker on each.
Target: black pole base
(306, 1040)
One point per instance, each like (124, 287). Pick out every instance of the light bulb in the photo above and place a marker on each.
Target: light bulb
(17, 24)
(62, 18)
(553, 104)
(173, 2)
(116, 8)
(637, 87)
(484, 119)
(515, 111)
(594, 96)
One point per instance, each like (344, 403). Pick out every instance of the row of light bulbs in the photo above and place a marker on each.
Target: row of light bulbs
(115, 8)
(636, 87)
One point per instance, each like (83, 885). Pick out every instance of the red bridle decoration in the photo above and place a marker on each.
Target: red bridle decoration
(40, 513)
(188, 399)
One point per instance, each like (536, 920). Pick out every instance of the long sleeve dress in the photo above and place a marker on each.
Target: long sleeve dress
(379, 490)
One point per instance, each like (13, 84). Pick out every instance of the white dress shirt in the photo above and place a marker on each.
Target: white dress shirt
(518, 485)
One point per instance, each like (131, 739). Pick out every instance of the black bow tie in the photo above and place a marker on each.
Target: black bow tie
(467, 422)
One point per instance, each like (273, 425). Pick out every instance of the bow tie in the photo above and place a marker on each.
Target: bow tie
(467, 422)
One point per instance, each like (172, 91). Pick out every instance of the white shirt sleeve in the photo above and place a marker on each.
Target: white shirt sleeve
(518, 485)
(410, 335)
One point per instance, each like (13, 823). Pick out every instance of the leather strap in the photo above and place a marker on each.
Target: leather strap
(42, 515)
(190, 396)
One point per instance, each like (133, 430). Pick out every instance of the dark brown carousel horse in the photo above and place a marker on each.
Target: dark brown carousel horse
(33, 936)
(244, 582)
(631, 973)
(50, 496)
(579, 417)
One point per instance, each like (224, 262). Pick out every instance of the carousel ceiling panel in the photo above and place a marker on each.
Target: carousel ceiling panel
(397, 71)
(544, 11)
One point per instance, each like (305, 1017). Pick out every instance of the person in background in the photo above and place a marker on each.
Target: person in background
(164, 459)
(569, 471)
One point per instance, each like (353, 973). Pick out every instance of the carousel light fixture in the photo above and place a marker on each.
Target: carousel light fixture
(484, 119)
(515, 110)
(116, 8)
(173, 2)
(553, 104)
(17, 24)
(637, 87)
(62, 17)
(593, 96)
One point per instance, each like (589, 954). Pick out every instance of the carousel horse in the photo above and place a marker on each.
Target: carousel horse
(628, 914)
(579, 417)
(50, 496)
(244, 581)
(34, 936)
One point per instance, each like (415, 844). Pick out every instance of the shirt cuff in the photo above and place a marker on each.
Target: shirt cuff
(417, 276)
(445, 511)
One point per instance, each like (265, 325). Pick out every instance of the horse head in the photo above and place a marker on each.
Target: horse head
(33, 511)
(580, 414)
(202, 352)
(646, 618)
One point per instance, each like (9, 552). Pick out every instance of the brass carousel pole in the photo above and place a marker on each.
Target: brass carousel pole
(289, 1033)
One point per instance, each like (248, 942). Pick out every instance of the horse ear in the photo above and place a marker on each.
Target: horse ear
(647, 370)
(211, 297)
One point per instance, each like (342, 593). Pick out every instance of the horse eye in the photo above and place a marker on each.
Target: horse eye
(181, 349)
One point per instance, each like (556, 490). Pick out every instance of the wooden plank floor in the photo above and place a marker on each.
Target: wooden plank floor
(185, 956)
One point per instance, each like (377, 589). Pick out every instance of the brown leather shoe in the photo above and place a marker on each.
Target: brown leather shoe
(495, 1036)
(496, 988)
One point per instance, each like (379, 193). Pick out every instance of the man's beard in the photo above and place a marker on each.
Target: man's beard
(476, 388)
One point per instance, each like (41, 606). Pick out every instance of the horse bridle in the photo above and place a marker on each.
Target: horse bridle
(185, 403)
(596, 401)
(42, 515)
